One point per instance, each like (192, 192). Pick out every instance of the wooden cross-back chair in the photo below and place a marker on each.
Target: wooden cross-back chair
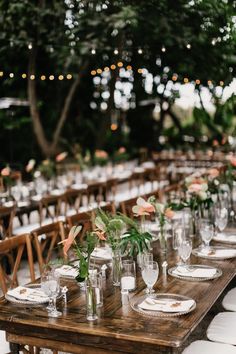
(127, 205)
(84, 219)
(50, 207)
(72, 199)
(17, 244)
(45, 240)
(7, 215)
(8, 248)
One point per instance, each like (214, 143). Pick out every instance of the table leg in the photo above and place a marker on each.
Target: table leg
(15, 348)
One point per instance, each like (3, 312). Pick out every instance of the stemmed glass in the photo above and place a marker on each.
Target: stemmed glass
(185, 249)
(150, 272)
(50, 284)
(221, 218)
(206, 231)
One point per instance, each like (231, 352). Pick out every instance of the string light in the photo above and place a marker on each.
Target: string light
(60, 77)
(11, 75)
(32, 77)
(120, 64)
(30, 46)
(43, 77)
(140, 71)
(186, 80)
(114, 126)
(51, 77)
(99, 71)
(221, 83)
(106, 69)
(163, 49)
(24, 76)
(69, 76)
(174, 77)
(116, 52)
(209, 82)
(93, 72)
(129, 67)
(198, 82)
(113, 67)
(93, 51)
(188, 46)
(140, 51)
(1, 73)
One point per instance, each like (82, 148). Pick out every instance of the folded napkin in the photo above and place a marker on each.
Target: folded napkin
(37, 197)
(29, 294)
(102, 252)
(166, 305)
(219, 253)
(195, 272)
(67, 271)
(225, 237)
(56, 192)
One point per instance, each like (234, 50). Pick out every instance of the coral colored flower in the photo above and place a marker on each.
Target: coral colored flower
(143, 207)
(30, 165)
(100, 235)
(213, 172)
(233, 161)
(169, 213)
(74, 231)
(122, 150)
(101, 154)
(60, 157)
(6, 171)
(194, 188)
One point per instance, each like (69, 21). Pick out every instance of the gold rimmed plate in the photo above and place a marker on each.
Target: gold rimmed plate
(188, 276)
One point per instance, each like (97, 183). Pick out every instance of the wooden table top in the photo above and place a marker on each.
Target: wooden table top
(119, 328)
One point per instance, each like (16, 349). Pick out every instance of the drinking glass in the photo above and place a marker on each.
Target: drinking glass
(221, 218)
(206, 231)
(128, 275)
(50, 284)
(185, 250)
(150, 272)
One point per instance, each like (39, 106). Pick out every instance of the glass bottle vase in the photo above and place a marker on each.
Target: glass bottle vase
(91, 300)
(116, 267)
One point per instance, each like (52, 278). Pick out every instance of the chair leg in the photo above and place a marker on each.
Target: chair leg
(15, 348)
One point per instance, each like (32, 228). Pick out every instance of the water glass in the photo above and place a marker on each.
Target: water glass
(50, 284)
(185, 250)
(221, 218)
(206, 231)
(128, 275)
(150, 272)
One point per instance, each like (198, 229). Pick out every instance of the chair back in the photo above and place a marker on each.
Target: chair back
(45, 241)
(7, 215)
(11, 250)
(84, 219)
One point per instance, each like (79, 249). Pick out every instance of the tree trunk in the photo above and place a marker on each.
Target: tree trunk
(49, 148)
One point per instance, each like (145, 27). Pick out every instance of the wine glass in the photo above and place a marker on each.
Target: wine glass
(221, 218)
(50, 284)
(206, 231)
(150, 272)
(185, 249)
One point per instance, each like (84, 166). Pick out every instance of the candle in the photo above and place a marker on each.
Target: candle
(128, 283)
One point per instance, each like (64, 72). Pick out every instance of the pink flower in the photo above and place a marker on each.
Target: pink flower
(169, 213)
(122, 150)
(60, 157)
(67, 243)
(6, 171)
(100, 235)
(213, 172)
(30, 165)
(143, 207)
(194, 188)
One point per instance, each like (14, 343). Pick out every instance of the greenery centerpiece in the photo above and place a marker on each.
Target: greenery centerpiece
(123, 235)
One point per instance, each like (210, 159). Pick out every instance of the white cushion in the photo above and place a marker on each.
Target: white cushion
(4, 345)
(205, 347)
(223, 328)
(229, 301)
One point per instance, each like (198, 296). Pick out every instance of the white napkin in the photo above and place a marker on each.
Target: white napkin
(225, 237)
(195, 272)
(37, 197)
(102, 252)
(57, 192)
(166, 305)
(29, 294)
(67, 271)
(219, 253)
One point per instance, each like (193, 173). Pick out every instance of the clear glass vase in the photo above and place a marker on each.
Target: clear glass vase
(116, 267)
(91, 300)
(163, 241)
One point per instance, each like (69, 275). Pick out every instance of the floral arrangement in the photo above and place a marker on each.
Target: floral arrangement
(9, 176)
(214, 180)
(121, 155)
(100, 157)
(197, 188)
(47, 168)
(121, 232)
(29, 168)
(82, 249)
(61, 157)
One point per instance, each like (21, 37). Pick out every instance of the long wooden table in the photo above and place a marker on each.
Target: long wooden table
(119, 329)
